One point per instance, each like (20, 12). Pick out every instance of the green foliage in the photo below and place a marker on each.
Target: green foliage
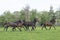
(44, 16)
(17, 15)
(33, 14)
(22, 14)
(51, 12)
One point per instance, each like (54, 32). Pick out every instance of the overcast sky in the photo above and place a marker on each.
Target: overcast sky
(16, 5)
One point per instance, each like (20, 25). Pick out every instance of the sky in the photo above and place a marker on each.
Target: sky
(17, 5)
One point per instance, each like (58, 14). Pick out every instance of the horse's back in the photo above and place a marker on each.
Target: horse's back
(11, 24)
(48, 23)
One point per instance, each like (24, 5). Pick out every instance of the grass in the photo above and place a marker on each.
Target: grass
(37, 34)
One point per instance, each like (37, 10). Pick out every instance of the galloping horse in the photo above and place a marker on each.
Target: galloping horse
(32, 24)
(13, 25)
(49, 23)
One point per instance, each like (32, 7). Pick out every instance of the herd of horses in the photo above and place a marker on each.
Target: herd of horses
(24, 24)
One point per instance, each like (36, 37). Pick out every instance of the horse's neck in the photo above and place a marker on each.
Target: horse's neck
(34, 22)
(53, 21)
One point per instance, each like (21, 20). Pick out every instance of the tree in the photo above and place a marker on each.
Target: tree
(44, 16)
(22, 14)
(51, 12)
(33, 14)
(27, 13)
(16, 15)
(57, 13)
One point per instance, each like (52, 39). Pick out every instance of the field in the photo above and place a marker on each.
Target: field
(37, 34)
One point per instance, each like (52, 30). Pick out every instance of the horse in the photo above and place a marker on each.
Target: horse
(32, 24)
(50, 23)
(14, 25)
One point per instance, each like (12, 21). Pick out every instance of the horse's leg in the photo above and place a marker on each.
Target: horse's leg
(5, 27)
(13, 28)
(42, 27)
(19, 29)
(54, 27)
(27, 27)
(45, 27)
(24, 27)
(50, 28)
(32, 28)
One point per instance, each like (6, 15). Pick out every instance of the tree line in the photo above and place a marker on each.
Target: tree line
(29, 15)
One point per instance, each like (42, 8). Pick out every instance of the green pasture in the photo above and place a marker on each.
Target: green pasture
(37, 34)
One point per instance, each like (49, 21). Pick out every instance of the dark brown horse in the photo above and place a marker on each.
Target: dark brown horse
(32, 24)
(50, 24)
(14, 25)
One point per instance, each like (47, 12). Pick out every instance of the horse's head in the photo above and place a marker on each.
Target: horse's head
(36, 20)
(53, 20)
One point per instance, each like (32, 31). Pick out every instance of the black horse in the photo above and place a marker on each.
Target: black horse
(50, 23)
(14, 25)
(32, 24)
